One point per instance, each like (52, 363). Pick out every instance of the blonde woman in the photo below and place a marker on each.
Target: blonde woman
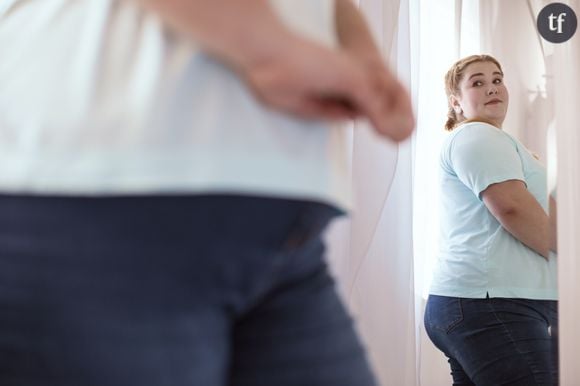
(492, 307)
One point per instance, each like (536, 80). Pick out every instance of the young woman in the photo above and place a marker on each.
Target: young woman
(492, 307)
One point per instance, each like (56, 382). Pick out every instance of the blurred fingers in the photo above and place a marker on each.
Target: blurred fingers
(388, 106)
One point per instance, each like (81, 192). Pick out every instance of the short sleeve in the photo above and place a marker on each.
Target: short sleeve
(481, 155)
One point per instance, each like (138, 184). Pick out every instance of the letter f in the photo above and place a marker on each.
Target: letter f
(560, 21)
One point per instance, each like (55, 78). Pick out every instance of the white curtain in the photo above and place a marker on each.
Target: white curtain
(381, 257)
(566, 65)
(372, 251)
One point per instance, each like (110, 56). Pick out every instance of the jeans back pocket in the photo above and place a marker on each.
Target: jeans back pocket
(443, 313)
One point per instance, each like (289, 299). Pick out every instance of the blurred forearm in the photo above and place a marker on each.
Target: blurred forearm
(353, 31)
(290, 73)
(238, 32)
(391, 101)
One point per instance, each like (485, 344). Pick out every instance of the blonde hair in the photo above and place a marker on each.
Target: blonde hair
(452, 80)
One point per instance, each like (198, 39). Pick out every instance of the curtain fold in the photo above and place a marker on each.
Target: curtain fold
(567, 99)
(372, 253)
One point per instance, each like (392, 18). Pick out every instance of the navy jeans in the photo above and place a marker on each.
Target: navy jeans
(496, 341)
(171, 291)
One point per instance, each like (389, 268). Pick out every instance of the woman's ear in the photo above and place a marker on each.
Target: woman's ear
(454, 103)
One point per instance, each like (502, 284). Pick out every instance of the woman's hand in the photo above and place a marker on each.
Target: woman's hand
(292, 74)
(312, 81)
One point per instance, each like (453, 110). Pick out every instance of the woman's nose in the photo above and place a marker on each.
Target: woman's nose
(492, 90)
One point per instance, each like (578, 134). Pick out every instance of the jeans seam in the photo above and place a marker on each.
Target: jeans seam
(452, 326)
(513, 341)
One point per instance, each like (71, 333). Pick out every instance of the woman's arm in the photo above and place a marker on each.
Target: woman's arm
(520, 214)
(288, 72)
(353, 32)
(356, 39)
(238, 32)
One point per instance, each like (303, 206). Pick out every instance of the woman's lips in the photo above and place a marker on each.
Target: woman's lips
(494, 102)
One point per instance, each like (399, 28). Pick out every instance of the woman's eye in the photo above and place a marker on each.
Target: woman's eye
(498, 81)
(477, 83)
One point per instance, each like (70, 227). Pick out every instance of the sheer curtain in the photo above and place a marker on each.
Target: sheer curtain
(383, 255)
(372, 253)
(381, 267)
(566, 64)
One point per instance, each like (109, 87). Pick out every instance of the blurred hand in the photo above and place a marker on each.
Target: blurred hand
(292, 74)
(306, 79)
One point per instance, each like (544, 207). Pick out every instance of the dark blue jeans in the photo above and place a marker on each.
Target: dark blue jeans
(496, 341)
(170, 291)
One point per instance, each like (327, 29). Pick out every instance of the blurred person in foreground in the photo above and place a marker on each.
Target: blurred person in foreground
(166, 170)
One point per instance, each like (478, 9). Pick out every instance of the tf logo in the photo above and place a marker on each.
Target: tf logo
(557, 22)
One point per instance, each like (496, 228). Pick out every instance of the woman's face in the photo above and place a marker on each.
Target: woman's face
(483, 94)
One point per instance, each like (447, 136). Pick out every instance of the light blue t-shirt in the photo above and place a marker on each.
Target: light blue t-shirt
(477, 255)
(100, 98)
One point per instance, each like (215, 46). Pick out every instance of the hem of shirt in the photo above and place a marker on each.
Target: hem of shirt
(137, 187)
(498, 180)
(497, 292)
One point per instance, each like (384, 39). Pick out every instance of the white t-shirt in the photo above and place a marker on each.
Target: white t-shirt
(98, 97)
(478, 256)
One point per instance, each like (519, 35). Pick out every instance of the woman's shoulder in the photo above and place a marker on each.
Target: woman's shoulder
(477, 133)
(474, 140)
(477, 127)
